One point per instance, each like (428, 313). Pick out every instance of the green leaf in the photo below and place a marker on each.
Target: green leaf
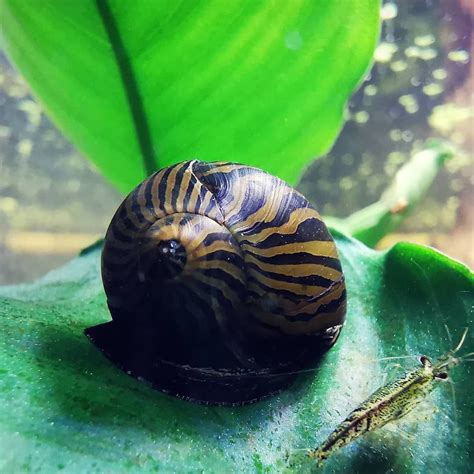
(141, 85)
(411, 183)
(65, 406)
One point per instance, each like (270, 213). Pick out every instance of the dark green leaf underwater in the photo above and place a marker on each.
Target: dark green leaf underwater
(65, 406)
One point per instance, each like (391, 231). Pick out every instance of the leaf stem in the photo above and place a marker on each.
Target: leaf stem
(130, 84)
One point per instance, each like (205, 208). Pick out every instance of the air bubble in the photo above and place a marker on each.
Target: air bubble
(428, 54)
(370, 90)
(346, 183)
(412, 108)
(459, 56)
(395, 135)
(396, 158)
(32, 110)
(361, 117)
(385, 52)
(389, 11)
(398, 66)
(445, 118)
(425, 40)
(412, 52)
(24, 147)
(432, 89)
(409, 102)
(440, 74)
(406, 99)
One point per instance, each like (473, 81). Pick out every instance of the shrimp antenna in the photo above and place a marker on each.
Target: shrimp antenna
(453, 394)
(461, 342)
(448, 332)
(395, 358)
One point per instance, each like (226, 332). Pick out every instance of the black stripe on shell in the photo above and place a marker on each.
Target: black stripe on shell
(135, 207)
(299, 258)
(178, 183)
(121, 237)
(223, 256)
(310, 280)
(161, 192)
(330, 307)
(125, 219)
(187, 195)
(233, 283)
(216, 293)
(148, 194)
(287, 294)
(311, 229)
(288, 203)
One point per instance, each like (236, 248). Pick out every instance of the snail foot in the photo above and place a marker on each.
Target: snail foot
(130, 351)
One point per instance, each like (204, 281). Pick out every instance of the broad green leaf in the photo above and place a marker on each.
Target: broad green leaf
(411, 183)
(64, 406)
(139, 85)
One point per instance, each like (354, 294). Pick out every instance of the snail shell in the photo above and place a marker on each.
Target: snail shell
(220, 279)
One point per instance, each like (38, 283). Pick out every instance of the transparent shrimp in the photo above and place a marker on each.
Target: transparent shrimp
(392, 401)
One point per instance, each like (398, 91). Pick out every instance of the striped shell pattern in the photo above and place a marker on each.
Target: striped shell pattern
(224, 264)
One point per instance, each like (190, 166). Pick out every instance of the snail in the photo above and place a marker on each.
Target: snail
(221, 280)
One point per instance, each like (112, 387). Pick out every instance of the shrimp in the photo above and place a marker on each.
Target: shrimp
(392, 401)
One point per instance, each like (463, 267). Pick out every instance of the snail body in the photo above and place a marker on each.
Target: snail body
(218, 275)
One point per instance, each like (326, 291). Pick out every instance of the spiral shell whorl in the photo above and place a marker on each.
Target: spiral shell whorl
(295, 280)
(142, 219)
(221, 254)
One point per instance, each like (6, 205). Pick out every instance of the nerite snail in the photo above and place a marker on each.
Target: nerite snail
(220, 279)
